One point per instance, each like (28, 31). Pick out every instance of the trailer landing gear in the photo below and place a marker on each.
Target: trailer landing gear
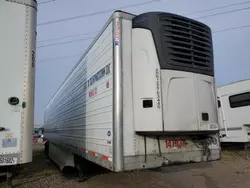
(246, 146)
(82, 166)
(8, 176)
(81, 174)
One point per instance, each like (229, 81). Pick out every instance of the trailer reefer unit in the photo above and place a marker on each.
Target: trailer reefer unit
(143, 94)
(17, 59)
(234, 110)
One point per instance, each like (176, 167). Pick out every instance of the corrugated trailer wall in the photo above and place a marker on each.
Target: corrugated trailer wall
(80, 114)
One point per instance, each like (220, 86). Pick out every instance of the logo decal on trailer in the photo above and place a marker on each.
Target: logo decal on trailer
(109, 133)
(158, 94)
(107, 84)
(108, 141)
(117, 33)
(33, 58)
(93, 92)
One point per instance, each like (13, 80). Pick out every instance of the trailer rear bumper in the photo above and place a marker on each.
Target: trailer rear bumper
(155, 161)
(156, 151)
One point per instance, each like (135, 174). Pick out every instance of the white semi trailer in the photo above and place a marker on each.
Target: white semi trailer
(17, 79)
(141, 96)
(234, 110)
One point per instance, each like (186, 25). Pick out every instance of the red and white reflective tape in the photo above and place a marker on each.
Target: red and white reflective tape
(106, 158)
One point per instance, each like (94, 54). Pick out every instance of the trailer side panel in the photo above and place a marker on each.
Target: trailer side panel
(80, 114)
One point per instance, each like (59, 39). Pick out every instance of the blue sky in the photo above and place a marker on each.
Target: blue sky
(231, 48)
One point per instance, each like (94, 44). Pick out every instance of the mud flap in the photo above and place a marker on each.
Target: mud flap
(61, 157)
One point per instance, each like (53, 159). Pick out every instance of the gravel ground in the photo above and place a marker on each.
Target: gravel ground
(232, 171)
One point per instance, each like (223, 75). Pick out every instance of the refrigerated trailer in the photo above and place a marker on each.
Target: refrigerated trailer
(17, 79)
(141, 96)
(234, 111)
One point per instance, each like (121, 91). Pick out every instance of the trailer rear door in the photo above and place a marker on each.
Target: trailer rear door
(12, 59)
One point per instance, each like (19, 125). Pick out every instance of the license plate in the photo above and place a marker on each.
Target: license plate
(8, 161)
(175, 143)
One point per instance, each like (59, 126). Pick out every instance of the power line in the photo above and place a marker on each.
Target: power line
(73, 55)
(68, 36)
(232, 28)
(66, 42)
(61, 57)
(84, 39)
(96, 13)
(44, 2)
(217, 8)
(221, 13)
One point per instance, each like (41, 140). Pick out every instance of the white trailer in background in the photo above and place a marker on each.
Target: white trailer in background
(17, 79)
(234, 111)
(141, 96)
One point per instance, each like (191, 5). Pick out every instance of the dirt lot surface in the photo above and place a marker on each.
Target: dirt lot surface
(232, 171)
